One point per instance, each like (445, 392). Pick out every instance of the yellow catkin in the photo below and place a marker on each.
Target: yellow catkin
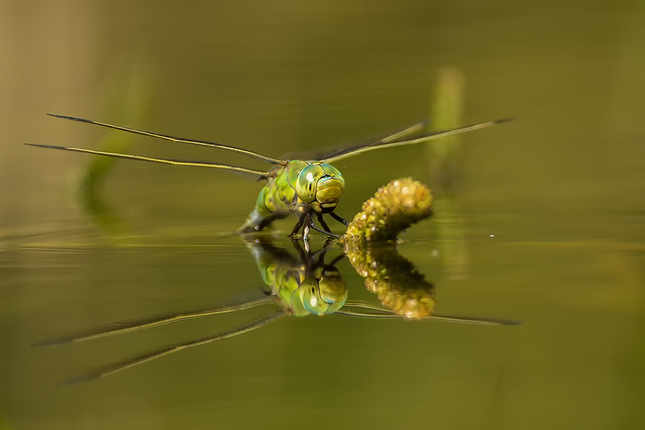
(396, 282)
(399, 286)
(394, 207)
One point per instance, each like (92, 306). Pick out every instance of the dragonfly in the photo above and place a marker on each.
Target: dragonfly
(296, 285)
(308, 189)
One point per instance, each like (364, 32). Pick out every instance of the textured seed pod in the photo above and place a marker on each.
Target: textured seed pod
(394, 207)
(398, 284)
(395, 280)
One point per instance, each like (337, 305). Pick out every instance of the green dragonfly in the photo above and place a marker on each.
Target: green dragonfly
(306, 188)
(298, 285)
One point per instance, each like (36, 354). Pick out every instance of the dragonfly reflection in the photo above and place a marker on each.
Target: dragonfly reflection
(299, 283)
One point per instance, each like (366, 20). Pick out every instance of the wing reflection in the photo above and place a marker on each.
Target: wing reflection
(299, 283)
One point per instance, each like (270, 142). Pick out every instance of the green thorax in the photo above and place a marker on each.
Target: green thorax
(294, 188)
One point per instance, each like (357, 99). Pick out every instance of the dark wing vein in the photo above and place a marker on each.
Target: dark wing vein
(391, 142)
(156, 320)
(176, 139)
(130, 362)
(325, 153)
(255, 174)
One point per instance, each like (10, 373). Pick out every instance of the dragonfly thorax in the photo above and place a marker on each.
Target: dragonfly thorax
(320, 185)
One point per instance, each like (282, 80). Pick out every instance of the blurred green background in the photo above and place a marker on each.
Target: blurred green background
(543, 221)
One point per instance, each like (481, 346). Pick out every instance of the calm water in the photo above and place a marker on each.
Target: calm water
(544, 225)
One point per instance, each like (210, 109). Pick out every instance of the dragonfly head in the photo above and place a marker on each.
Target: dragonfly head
(319, 296)
(320, 185)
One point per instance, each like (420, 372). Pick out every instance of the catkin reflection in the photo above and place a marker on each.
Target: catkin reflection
(298, 282)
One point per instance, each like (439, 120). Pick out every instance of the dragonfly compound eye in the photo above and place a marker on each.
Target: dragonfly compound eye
(333, 291)
(308, 181)
(329, 188)
(309, 295)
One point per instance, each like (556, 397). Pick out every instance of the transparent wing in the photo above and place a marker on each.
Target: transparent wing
(394, 140)
(367, 310)
(246, 300)
(251, 173)
(318, 154)
(143, 358)
(175, 139)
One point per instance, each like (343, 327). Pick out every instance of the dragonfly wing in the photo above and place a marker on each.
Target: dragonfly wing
(349, 152)
(480, 321)
(368, 310)
(250, 173)
(366, 314)
(354, 308)
(133, 361)
(175, 139)
(321, 153)
(246, 300)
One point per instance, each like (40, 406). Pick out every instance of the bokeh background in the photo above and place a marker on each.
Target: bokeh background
(543, 222)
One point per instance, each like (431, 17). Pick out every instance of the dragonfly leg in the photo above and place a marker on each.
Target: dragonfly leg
(339, 218)
(308, 223)
(305, 218)
(301, 252)
(312, 225)
(323, 223)
(296, 228)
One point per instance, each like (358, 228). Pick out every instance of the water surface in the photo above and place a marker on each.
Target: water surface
(547, 213)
